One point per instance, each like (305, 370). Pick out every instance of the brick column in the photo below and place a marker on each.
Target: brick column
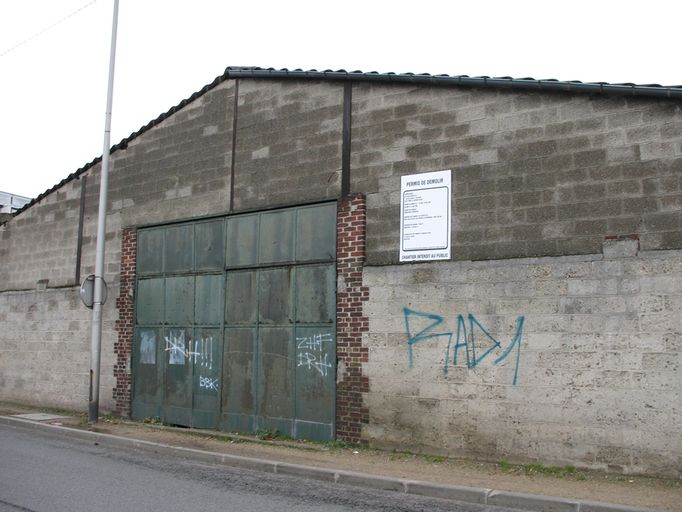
(350, 319)
(125, 323)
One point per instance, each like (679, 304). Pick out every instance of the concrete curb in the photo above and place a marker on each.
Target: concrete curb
(529, 502)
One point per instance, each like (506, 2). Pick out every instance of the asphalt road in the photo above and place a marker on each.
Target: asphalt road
(40, 472)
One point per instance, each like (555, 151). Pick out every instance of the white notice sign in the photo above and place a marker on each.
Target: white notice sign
(425, 216)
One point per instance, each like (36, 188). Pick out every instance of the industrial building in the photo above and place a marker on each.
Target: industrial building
(469, 266)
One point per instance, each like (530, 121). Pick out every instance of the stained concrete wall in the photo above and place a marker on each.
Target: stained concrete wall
(288, 144)
(45, 348)
(567, 360)
(40, 245)
(533, 174)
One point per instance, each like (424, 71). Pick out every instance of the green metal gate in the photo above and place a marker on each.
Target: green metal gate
(235, 322)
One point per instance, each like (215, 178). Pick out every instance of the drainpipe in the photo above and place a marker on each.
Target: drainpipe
(96, 339)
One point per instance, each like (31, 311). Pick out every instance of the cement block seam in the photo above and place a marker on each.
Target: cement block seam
(483, 496)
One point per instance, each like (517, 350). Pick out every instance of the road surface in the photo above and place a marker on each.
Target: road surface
(42, 472)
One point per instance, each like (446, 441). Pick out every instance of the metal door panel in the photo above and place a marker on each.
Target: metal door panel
(275, 407)
(149, 301)
(316, 233)
(208, 301)
(315, 377)
(240, 297)
(238, 403)
(150, 251)
(313, 430)
(209, 245)
(147, 364)
(217, 344)
(315, 297)
(179, 300)
(276, 237)
(178, 380)
(206, 354)
(242, 241)
(274, 296)
(179, 248)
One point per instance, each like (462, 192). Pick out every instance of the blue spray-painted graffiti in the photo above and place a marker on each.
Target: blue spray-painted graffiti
(466, 339)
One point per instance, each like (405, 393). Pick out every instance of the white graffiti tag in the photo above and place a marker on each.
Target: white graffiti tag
(311, 352)
(208, 383)
(311, 361)
(314, 342)
(203, 352)
(181, 348)
(176, 345)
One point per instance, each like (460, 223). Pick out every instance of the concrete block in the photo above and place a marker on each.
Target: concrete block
(312, 472)
(591, 506)
(448, 492)
(531, 502)
(484, 156)
(370, 481)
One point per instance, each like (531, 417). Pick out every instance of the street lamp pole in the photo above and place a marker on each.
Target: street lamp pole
(96, 339)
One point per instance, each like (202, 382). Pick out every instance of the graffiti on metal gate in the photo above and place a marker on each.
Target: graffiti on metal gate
(199, 350)
(208, 383)
(311, 352)
(476, 349)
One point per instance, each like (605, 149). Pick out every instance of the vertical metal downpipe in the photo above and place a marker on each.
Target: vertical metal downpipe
(234, 141)
(81, 218)
(346, 138)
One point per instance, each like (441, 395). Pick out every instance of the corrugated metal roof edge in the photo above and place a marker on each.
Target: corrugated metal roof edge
(505, 82)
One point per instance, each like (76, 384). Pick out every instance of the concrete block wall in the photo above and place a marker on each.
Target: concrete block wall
(179, 168)
(38, 248)
(45, 348)
(288, 147)
(533, 174)
(593, 342)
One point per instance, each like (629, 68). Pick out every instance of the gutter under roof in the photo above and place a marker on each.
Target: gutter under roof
(504, 82)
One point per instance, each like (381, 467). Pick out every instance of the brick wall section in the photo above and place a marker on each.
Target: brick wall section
(351, 321)
(125, 324)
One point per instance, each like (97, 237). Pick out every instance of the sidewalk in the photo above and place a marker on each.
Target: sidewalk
(532, 487)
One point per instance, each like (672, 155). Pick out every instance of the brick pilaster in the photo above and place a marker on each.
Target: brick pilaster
(125, 323)
(350, 320)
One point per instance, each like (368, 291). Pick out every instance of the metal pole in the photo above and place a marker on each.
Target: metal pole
(96, 340)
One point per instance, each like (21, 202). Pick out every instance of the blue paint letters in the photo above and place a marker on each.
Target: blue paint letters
(431, 326)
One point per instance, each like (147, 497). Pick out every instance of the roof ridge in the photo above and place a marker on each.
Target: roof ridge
(503, 82)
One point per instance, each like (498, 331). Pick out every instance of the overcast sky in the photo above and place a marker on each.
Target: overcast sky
(53, 87)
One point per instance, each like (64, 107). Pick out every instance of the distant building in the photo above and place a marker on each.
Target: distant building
(10, 203)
